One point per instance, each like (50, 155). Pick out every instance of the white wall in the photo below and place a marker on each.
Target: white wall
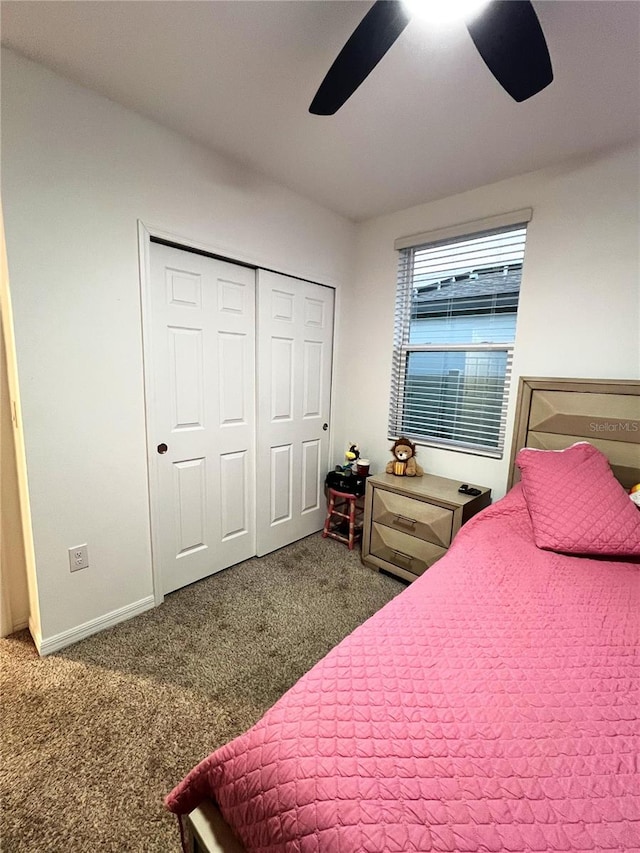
(580, 298)
(78, 172)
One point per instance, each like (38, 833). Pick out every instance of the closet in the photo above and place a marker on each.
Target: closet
(238, 386)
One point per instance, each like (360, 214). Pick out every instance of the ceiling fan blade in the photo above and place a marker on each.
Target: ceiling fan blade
(509, 38)
(369, 42)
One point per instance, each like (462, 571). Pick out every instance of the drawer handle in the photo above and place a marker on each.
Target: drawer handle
(402, 557)
(403, 521)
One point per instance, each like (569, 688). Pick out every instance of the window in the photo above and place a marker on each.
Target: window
(456, 309)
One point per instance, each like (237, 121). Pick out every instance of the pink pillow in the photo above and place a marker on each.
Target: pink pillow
(576, 504)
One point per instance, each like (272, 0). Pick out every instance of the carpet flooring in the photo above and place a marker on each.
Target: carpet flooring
(94, 737)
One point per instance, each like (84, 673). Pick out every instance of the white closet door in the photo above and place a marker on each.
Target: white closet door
(295, 343)
(203, 409)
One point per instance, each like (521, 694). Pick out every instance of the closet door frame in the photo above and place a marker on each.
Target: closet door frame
(146, 233)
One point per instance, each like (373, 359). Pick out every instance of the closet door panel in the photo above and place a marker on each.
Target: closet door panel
(295, 347)
(202, 407)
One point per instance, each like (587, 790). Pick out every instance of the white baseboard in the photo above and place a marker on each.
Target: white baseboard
(47, 645)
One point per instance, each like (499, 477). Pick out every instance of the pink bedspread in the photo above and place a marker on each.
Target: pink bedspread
(493, 706)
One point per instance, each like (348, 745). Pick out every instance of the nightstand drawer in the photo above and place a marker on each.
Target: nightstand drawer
(403, 550)
(417, 518)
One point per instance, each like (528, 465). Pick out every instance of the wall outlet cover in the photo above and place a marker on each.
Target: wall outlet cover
(78, 557)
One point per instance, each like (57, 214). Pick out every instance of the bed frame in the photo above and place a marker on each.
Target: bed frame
(206, 831)
(551, 414)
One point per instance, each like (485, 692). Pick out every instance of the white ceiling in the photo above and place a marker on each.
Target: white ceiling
(430, 121)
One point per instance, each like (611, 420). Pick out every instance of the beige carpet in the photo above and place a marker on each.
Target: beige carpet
(95, 736)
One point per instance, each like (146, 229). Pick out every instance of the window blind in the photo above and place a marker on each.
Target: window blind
(455, 321)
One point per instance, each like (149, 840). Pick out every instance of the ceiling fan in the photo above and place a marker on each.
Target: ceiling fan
(506, 33)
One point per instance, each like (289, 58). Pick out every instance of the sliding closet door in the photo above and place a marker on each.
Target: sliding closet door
(295, 340)
(202, 414)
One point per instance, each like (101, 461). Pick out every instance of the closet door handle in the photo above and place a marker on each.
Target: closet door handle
(325, 427)
(162, 448)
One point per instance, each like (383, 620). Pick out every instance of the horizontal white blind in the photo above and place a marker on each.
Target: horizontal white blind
(456, 308)
(435, 265)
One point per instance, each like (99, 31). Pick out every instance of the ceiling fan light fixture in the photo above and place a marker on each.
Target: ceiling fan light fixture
(444, 12)
(506, 33)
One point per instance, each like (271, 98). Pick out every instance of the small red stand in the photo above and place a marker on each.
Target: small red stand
(339, 501)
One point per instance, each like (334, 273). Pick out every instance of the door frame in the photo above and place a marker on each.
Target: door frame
(145, 234)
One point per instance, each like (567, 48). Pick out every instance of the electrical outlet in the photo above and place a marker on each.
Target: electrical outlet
(78, 557)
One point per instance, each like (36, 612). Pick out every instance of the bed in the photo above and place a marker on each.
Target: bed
(492, 706)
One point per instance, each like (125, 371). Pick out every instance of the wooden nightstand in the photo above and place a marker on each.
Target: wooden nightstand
(409, 522)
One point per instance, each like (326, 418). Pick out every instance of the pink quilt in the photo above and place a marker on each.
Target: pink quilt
(493, 706)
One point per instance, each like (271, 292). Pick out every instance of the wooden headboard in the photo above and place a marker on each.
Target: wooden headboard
(552, 414)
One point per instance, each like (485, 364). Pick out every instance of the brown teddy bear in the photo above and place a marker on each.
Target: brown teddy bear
(404, 462)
